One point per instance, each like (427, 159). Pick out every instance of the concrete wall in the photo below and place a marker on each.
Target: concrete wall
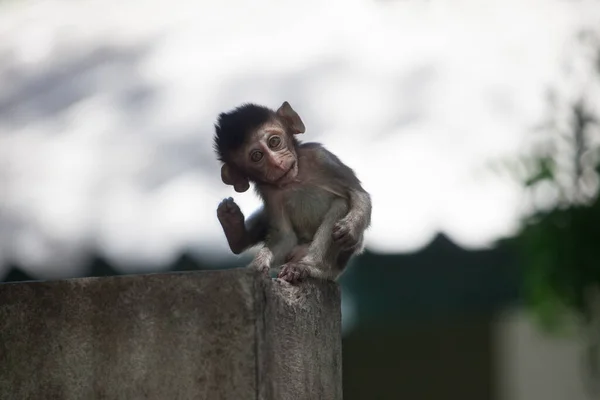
(203, 335)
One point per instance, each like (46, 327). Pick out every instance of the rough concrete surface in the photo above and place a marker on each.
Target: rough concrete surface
(197, 335)
(301, 348)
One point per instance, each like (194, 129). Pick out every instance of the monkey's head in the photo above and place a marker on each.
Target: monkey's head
(257, 144)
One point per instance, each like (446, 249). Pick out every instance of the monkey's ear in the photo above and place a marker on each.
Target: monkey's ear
(230, 177)
(287, 112)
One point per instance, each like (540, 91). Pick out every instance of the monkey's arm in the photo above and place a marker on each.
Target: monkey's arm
(241, 235)
(342, 181)
(348, 231)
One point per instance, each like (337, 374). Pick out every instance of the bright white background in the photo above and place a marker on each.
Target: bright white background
(107, 112)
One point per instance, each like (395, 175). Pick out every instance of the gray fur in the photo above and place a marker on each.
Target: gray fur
(327, 193)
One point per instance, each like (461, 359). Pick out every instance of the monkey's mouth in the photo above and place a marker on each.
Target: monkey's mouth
(283, 178)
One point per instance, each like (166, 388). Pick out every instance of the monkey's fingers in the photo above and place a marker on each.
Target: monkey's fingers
(292, 273)
(337, 236)
(339, 233)
(226, 202)
(285, 276)
(228, 206)
(345, 240)
(223, 206)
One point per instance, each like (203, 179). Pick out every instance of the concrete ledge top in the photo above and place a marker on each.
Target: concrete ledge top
(225, 334)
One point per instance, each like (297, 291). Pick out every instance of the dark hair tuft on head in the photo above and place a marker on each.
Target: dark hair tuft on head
(233, 127)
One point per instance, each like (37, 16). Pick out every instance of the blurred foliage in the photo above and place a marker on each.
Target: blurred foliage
(560, 251)
(558, 243)
(559, 246)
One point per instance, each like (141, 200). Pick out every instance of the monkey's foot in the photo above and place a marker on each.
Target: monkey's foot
(293, 272)
(344, 235)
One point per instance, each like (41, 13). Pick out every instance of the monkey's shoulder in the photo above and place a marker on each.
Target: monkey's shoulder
(308, 146)
(329, 168)
(316, 152)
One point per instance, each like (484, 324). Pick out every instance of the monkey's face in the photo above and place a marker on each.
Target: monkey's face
(269, 155)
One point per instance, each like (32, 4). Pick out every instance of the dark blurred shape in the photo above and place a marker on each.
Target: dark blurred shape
(424, 328)
(99, 266)
(186, 262)
(444, 358)
(440, 280)
(16, 274)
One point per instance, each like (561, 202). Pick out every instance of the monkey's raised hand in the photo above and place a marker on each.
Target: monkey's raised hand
(232, 220)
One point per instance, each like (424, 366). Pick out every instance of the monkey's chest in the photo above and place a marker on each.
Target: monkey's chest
(306, 209)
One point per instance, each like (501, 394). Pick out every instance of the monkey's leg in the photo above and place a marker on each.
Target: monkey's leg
(298, 253)
(241, 235)
(316, 262)
(280, 242)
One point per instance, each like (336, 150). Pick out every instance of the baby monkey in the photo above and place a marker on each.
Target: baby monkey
(314, 212)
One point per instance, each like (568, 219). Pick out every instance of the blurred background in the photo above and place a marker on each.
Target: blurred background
(474, 125)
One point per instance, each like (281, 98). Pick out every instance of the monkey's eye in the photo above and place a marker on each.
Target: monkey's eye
(274, 141)
(256, 156)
